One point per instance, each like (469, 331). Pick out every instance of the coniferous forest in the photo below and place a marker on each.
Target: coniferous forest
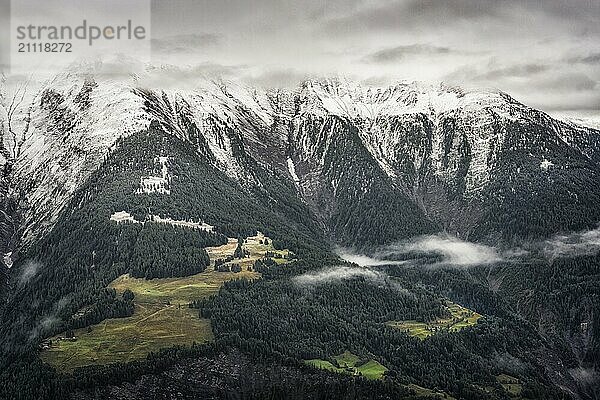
(264, 328)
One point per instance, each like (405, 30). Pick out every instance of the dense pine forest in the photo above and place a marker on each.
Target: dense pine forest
(264, 328)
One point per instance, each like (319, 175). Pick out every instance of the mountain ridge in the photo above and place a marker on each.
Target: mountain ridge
(327, 164)
(77, 118)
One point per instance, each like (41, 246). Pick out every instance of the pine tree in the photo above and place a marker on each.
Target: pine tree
(239, 250)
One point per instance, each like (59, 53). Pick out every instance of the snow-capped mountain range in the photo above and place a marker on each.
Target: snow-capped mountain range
(442, 148)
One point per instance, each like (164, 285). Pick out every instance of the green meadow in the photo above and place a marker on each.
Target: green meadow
(348, 363)
(511, 384)
(460, 318)
(161, 318)
(150, 328)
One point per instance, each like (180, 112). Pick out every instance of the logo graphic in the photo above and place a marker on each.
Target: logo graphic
(47, 36)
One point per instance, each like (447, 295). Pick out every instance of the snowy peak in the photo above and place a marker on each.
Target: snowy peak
(414, 129)
(73, 123)
(415, 133)
(348, 99)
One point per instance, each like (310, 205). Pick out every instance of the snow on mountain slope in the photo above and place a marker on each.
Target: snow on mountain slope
(405, 125)
(74, 123)
(77, 117)
(586, 120)
(413, 131)
(415, 128)
(349, 99)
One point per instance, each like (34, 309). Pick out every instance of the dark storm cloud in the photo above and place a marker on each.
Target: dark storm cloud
(567, 82)
(471, 9)
(392, 14)
(592, 59)
(278, 78)
(493, 73)
(542, 52)
(185, 43)
(521, 70)
(399, 52)
(545, 53)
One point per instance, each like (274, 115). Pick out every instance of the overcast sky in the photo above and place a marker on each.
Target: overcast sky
(545, 53)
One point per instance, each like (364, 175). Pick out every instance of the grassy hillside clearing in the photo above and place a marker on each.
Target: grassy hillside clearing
(348, 363)
(460, 318)
(161, 318)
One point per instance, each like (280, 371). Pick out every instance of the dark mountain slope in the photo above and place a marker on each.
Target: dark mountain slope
(69, 268)
(359, 203)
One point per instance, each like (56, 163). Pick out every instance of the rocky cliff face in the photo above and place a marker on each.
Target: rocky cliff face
(449, 158)
(464, 157)
(7, 226)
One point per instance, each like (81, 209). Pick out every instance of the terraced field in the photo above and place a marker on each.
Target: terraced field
(460, 318)
(161, 318)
